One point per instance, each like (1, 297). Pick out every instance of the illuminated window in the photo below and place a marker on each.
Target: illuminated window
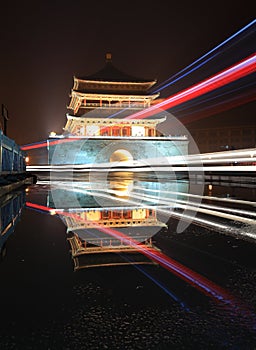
(127, 214)
(151, 132)
(105, 214)
(116, 215)
(105, 131)
(116, 131)
(127, 131)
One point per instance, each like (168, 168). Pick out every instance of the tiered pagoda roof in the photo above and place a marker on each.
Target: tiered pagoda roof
(110, 78)
(109, 88)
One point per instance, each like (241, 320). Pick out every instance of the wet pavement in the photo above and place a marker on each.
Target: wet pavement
(46, 304)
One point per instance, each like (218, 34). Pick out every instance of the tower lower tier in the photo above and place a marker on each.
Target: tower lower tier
(97, 150)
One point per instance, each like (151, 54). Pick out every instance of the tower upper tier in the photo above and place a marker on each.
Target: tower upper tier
(110, 88)
(111, 79)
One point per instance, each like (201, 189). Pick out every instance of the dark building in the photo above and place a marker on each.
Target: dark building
(224, 138)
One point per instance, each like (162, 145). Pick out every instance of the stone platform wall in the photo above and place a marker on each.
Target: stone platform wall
(90, 151)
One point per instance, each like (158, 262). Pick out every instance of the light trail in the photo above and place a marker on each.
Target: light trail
(191, 277)
(206, 223)
(232, 156)
(148, 275)
(159, 284)
(167, 209)
(78, 186)
(231, 101)
(249, 152)
(229, 160)
(235, 72)
(235, 93)
(45, 143)
(176, 76)
(214, 210)
(158, 168)
(227, 200)
(241, 156)
(183, 204)
(201, 283)
(190, 204)
(221, 107)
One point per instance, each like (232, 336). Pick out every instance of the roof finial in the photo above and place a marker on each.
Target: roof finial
(108, 57)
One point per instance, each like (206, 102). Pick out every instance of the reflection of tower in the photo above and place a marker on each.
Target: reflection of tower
(121, 183)
(86, 255)
(107, 235)
(133, 222)
(92, 245)
(110, 219)
(10, 211)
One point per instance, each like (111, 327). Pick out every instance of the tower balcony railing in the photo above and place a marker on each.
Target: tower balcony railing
(115, 105)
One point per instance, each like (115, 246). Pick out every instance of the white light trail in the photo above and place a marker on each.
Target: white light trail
(148, 168)
(244, 155)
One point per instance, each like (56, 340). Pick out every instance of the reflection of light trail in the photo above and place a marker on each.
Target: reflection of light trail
(196, 196)
(40, 207)
(201, 283)
(159, 284)
(166, 208)
(209, 288)
(167, 202)
(202, 205)
(205, 209)
(170, 203)
(88, 186)
(173, 78)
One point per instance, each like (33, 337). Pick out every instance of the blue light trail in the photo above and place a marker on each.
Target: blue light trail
(172, 79)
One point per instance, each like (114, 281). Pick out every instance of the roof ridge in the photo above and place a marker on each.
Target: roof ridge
(110, 72)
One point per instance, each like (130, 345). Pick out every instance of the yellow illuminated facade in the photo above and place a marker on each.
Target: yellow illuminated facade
(90, 218)
(106, 92)
(81, 126)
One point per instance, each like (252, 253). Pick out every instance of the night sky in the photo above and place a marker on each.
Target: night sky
(45, 43)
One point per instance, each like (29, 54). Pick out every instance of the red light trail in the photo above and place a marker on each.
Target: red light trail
(45, 143)
(229, 75)
(201, 283)
(221, 107)
(209, 288)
